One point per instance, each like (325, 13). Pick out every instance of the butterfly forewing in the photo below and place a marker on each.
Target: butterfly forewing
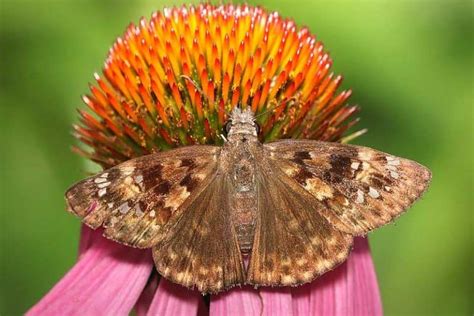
(136, 198)
(361, 188)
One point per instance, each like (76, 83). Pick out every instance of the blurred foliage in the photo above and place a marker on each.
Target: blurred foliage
(409, 63)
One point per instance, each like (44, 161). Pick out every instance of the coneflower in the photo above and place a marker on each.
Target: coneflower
(172, 81)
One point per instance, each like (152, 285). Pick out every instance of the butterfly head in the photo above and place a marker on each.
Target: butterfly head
(241, 122)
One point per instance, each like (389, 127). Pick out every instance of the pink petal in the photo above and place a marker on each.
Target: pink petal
(107, 279)
(300, 299)
(277, 301)
(144, 302)
(173, 299)
(351, 289)
(237, 301)
(88, 237)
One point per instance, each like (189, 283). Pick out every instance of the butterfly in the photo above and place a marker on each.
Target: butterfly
(266, 214)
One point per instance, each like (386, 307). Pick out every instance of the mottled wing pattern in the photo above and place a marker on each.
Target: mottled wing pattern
(293, 242)
(361, 188)
(199, 247)
(135, 199)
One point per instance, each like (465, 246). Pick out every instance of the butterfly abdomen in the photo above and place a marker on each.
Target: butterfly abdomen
(244, 214)
(241, 173)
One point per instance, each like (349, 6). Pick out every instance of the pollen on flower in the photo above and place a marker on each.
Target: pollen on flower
(173, 80)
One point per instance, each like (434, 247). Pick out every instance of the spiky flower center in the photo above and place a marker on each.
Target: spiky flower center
(173, 80)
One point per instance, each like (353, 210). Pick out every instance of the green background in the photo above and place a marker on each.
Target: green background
(409, 63)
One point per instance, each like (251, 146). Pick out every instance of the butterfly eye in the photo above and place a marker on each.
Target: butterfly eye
(227, 127)
(257, 128)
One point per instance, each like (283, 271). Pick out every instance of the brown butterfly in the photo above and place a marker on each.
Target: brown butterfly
(289, 208)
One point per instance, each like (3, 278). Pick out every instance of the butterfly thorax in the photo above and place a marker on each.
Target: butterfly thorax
(239, 157)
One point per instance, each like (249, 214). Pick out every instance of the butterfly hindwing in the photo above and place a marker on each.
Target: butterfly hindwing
(136, 198)
(361, 188)
(199, 247)
(293, 242)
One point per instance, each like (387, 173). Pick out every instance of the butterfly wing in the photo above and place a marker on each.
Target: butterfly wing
(361, 188)
(135, 199)
(293, 242)
(199, 246)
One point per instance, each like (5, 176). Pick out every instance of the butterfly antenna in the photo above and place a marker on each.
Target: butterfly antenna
(185, 77)
(352, 136)
(294, 98)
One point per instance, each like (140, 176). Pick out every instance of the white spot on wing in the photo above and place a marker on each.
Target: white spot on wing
(99, 180)
(373, 193)
(102, 192)
(355, 165)
(394, 174)
(138, 179)
(152, 214)
(395, 162)
(360, 197)
(110, 205)
(124, 208)
(103, 185)
(138, 210)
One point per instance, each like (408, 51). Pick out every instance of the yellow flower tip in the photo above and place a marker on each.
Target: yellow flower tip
(172, 80)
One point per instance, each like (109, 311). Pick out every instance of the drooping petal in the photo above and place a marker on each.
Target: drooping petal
(144, 301)
(363, 281)
(277, 301)
(87, 238)
(107, 279)
(237, 301)
(300, 299)
(173, 299)
(351, 289)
